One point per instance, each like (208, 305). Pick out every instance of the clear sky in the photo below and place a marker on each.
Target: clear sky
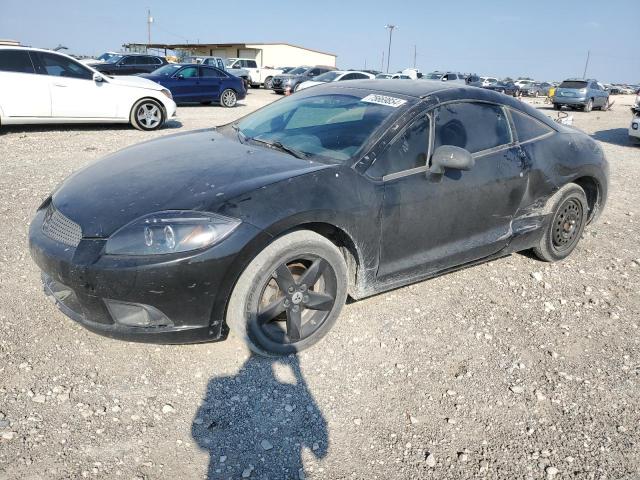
(547, 40)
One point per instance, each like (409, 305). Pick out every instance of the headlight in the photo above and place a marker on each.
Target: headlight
(167, 93)
(170, 232)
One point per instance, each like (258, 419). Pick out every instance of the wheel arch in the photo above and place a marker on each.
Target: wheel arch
(146, 97)
(593, 190)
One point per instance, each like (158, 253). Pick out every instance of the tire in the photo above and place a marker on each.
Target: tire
(228, 98)
(589, 106)
(269, 306)
(557, 106)
(147, 114)
(568, 213)
(536, 94)
(267, 83)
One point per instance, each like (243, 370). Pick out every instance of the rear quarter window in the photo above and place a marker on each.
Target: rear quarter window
(528, 128)
(16, 61)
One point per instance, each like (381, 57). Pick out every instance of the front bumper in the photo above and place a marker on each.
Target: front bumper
(190, 290)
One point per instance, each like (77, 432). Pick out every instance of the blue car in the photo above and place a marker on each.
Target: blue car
(199, 83)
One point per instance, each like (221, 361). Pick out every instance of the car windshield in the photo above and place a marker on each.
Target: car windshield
(298, 71)
(105, 57)
(167, 70)
(330, 126)
(573, 84)
(327, 77)
(434, 76)
(111, 58)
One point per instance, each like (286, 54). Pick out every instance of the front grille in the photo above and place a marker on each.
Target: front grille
(276, 81)
(61, 229)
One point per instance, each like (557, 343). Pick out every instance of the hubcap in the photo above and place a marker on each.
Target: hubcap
(566, 225)
(297, 299)
(149, 115)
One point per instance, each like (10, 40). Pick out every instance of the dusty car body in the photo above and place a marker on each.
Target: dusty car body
(424, 194)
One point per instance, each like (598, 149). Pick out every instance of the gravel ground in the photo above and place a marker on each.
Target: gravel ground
(511, 369)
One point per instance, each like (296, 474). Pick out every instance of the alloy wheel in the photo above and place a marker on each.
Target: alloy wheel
(229, 98)
(149, 115)
(296, 299)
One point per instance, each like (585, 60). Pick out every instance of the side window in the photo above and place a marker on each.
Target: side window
(451, 76)
(252, 64)
(155, 61)
(407, 151)
(474, 126)
(188, 72)
(210, 72)
(59, 66)
(349, 76)
(16, 61)
(528, 128)
(133, 60)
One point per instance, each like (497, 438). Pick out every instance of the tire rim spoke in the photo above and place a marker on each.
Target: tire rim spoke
(319, 301)
(283, 278)
(271, 311)
(294, 324)
(313, 273)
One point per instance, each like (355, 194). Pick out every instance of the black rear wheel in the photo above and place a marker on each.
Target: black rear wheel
(569, 212)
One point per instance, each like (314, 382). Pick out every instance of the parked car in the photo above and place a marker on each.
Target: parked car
(217, 62)
(100, 59)
(487, 81)
(265, 225)
(129, 64)
(445, 77)
(41, 86)
(199, 83)
(634, 128)
(521, 83)
(290, 82)
(393, 76)
(257, 76)
(579, 93)
(536, 89)
(335, 76)
(508, 88)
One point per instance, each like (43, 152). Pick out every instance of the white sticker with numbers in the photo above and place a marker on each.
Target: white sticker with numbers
(384, 100)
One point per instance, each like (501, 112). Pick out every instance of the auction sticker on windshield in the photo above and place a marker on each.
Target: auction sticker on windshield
(384, 100)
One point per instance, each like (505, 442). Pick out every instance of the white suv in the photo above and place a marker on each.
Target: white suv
(41, 86)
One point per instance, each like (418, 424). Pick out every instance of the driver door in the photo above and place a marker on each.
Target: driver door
(431, 222)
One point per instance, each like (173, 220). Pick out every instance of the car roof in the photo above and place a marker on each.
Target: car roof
(415, 88)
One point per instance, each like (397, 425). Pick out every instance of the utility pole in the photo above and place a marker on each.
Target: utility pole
(382, 64)
(391, 28)
(584, 75)
(149, 22)
(415, 54)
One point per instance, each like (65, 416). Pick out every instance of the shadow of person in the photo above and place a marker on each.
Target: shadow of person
(256, 424)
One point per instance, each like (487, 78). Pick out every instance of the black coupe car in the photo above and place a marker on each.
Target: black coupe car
(508, 88)
(266, 225)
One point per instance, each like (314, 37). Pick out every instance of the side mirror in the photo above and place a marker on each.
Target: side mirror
(98, 78)
(448, 156)
(444, 79)
(180, 76)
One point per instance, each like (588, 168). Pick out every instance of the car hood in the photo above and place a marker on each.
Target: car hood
(136, 81)
(201, 170)
(287, 77)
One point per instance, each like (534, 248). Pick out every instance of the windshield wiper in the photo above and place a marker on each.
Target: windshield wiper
(241, 136)
(280, 146)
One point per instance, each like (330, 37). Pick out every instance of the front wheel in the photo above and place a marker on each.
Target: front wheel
(147, 115)
(268, 82)
(290, 295)
(568, 212)
(228, 98)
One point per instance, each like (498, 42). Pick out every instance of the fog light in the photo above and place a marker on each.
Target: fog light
(137, 315)
(634, 125)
